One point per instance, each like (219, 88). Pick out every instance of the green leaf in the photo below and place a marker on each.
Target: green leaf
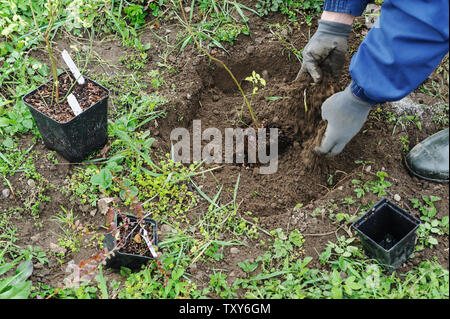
(19, 291)
(102, 283)
(273, 98)
(102, 179)
(177, 273)
(4, 122)
(336, 293)
(432, 240)
(4, 268)
(28, 123)
(8, 142)
(23, 271)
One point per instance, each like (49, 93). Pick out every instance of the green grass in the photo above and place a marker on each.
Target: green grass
(205, 224)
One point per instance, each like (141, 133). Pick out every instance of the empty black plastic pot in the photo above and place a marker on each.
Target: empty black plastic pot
(121, 259)
(387, 233)
(79, 137)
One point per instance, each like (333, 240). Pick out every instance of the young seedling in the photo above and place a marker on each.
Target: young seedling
(191, 33)
(53, 9)
(257, 81)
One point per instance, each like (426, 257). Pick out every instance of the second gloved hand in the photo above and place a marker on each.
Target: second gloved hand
(345, 114)
(326, 49)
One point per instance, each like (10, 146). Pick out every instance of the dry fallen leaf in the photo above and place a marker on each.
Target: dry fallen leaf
(137, 238)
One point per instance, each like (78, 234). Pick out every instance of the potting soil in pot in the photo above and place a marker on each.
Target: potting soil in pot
(86, 95)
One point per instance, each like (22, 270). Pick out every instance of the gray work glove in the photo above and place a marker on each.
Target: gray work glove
(326, 49)
(345, 114)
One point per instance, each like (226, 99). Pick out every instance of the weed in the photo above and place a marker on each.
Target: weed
(219, 285)
(430, 225)
(289, 7)
(377, 186)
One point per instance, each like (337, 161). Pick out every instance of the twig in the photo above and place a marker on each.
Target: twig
(325, 234)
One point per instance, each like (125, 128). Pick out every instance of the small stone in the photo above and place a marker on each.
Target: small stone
(31, 183)
(56, 249)
(234, 250)
(187, 9)
(38, 266)
(265, 74)
(397, 197)
(188, 96)
(193, 269)
(35, 238)
(85, 208)
(250, 49)
(93, 212)
(6, 192)
(368, 169)
(340, 188)
(103, 205)
(275, 119)
(155, 144)
(273, 205)
(166, 228)
(43, 273)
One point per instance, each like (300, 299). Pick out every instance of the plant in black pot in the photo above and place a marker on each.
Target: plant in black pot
(132, 238)
(70, 111)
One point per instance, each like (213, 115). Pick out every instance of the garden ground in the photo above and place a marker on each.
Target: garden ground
(225, 230)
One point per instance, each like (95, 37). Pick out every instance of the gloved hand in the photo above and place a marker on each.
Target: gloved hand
(326, 49)
(345, 114)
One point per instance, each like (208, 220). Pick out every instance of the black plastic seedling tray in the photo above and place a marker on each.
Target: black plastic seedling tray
(132, 261)
(387, 233)
(77, 138)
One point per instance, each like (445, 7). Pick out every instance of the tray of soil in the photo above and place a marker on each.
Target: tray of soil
(74, 137)
(387, 233)
(133, 251)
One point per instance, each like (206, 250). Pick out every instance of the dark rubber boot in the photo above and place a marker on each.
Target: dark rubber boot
(429, 159)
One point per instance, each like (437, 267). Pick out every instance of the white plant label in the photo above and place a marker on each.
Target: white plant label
(148, 242)
(74, 105)
(73, 68)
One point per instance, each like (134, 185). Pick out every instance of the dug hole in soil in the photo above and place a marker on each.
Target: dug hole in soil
(219, 104)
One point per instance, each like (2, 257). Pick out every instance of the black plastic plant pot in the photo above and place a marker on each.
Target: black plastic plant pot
(122, 259)
(387, 233)
(79, 137)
